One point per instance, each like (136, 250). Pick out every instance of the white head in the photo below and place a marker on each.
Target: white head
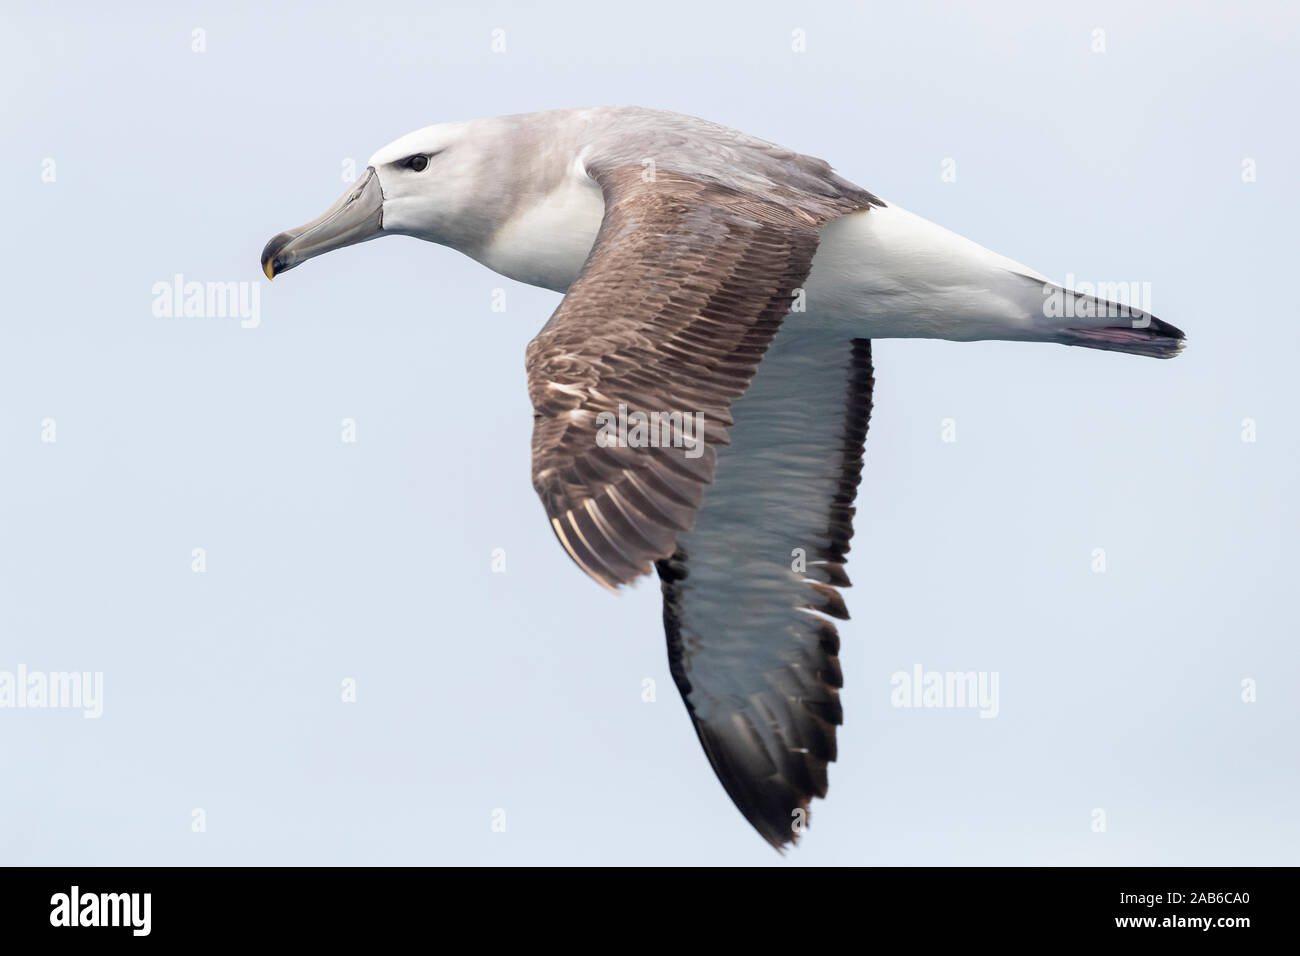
(442, 183)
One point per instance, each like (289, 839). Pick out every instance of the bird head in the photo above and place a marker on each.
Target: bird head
(421, 185)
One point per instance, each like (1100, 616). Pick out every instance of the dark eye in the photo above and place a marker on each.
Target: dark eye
(417, 162)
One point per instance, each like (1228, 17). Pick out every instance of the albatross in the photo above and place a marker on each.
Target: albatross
(701, 394)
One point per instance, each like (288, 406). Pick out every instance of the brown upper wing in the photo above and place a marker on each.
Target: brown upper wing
(681, 295)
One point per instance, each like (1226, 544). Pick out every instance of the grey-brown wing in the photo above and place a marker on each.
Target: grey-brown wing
(673, 315)
(679, 299)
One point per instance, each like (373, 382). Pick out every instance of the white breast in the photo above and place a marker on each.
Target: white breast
(547, 243)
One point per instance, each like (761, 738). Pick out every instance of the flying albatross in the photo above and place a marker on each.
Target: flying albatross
(701, 394)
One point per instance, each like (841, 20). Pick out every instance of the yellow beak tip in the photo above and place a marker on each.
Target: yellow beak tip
(270, 273)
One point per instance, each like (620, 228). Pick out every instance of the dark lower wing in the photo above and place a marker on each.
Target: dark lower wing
(751, 591)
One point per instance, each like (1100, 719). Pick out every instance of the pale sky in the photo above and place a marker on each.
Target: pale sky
(1166, 158)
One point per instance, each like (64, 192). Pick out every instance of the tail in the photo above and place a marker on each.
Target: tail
(919, 279)
(1156, 339)
(1077, 318)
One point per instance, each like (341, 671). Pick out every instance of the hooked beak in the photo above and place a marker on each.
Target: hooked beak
(356, 217)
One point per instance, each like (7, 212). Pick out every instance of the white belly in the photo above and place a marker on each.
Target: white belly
(891, 274)
(885, 273)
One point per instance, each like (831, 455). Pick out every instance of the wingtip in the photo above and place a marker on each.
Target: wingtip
(605, 580)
